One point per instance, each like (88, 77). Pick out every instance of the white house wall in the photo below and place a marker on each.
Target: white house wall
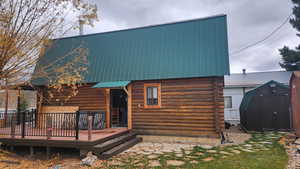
(232, 115)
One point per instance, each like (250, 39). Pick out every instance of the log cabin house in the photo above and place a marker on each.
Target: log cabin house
(164, 80)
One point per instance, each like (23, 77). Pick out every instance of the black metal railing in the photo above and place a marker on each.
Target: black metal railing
(98, 120)
(31, 123)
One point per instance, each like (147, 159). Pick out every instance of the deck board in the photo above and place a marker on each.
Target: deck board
(97, 136)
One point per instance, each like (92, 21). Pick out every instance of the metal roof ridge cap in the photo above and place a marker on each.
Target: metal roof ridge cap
(147, 26)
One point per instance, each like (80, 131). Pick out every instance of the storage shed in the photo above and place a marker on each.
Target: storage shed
(266, 108)
(295, 101)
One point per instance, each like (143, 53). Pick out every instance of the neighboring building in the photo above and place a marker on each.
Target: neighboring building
(28, 98)
(295, 101)
(157, 80)
(236, 85)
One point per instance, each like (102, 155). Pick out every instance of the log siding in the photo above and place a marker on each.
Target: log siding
(189, 107)
(88, 99)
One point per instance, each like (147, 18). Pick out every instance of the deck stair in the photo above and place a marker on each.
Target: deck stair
(116, 145)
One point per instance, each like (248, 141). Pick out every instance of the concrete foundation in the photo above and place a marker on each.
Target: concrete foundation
(187, 140)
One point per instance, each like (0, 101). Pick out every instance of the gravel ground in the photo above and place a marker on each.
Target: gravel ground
(234, 135)
(294, 156)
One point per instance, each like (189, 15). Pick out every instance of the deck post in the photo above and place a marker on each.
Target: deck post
(48, 151)
(12, 148)
(49, 127)
(90, 126)
(23, 124)
(107, 106)
(129, 106)
(13, 126)
(31, 150)
(77, 125)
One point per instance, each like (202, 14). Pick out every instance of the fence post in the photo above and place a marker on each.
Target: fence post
(23, 123)
(90, 126)
(49, 126)
(103, 120)
(77, 125)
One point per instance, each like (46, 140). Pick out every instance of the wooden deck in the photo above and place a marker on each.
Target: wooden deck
(98, 136)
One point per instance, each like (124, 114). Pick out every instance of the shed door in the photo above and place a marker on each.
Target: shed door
(275, 112)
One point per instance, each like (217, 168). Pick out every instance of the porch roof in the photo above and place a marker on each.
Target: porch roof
(111, 84)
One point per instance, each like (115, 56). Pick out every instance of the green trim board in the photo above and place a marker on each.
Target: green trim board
(111, 84)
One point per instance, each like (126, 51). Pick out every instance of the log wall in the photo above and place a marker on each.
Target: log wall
(189, 107)
(88, 99)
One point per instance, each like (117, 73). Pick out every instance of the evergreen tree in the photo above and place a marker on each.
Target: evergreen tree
(291, 57)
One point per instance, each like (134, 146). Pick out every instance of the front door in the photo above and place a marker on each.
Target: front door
(118, 108)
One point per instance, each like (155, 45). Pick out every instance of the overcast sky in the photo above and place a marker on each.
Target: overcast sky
(248, 22)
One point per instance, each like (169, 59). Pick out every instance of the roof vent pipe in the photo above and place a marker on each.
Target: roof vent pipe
(244, 71)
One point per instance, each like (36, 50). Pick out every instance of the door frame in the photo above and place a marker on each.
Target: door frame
(127, 90)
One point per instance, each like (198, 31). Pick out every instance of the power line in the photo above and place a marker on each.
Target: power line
(264, 39)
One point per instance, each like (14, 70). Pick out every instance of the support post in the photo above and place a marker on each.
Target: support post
(49, 126)
(13, 126)
(77, 125)
(12, 148)
(107, 103)
(23, 123)
(129, 106)
(31, 151)
(48, 152)
(90, 126)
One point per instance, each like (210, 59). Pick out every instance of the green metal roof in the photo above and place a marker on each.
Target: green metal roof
(194, 48)
(111, 84)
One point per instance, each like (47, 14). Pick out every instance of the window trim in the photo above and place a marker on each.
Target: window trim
(158, 85)
(230, 102)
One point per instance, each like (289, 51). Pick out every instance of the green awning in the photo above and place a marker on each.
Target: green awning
(111, 84)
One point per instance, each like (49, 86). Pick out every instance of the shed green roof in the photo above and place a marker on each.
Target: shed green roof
(250, 94)
(194, 48)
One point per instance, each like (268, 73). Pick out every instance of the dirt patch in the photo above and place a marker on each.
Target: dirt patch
(235, 136)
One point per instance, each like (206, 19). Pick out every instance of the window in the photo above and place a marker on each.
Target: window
(152, 98)
(152, 95)
(228, 102)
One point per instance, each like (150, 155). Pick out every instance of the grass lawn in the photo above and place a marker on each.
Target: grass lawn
(275, 158)
(262, 151)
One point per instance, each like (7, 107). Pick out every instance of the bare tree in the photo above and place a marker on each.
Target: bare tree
(27, 28)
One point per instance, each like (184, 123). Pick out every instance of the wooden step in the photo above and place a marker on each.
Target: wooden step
(120, 148)
(110, 137)
(113, 142)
